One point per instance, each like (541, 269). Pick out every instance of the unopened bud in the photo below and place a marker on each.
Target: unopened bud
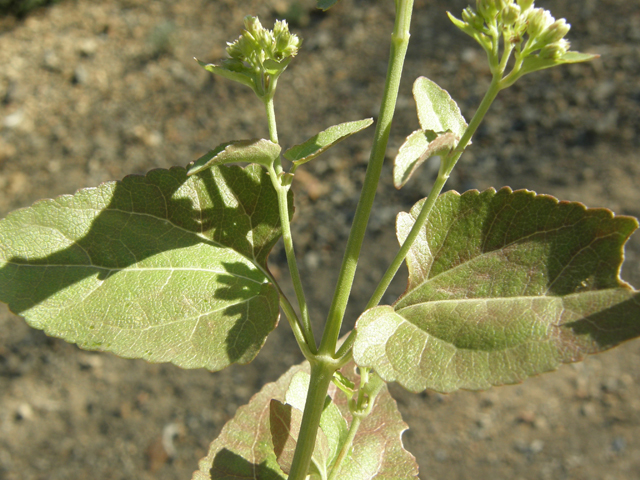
(472, 18)
(487, 8)
(556, 31)
(555, 50)
(510, 14)
(539, 20)
(287, 44)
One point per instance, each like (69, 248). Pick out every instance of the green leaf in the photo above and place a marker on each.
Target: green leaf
(258, 150)
(344, 384)
(164, 267)
(416, 149)
(243, 78)
(301, 154)
(326, 4)
(377, 448)
(502, 286)
(247, 445)
(285, 421)
(436, 109)
(534, 63)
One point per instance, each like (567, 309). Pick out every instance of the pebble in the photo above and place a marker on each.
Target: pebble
(80, 75)
(14, 119)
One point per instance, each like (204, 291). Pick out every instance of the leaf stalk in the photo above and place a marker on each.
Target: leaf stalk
(283, 207)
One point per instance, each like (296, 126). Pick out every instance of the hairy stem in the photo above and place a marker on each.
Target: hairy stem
(399, 44)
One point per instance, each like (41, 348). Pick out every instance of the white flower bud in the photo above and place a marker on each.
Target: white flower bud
(556, 31)
(539, 20)
(555, 50)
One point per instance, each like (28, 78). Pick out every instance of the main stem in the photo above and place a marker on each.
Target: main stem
(321, 375)
(325, 364)
(399, 44)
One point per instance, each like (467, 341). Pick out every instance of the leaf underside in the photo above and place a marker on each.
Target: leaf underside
(442, 126)
(310, 149)
(437, 111)
(416, 149)
(264, 432)
(164, 267)
(257, 150)
(502, 285)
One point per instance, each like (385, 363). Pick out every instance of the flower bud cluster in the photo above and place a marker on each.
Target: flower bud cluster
(260, 48)
(257, 44)
(514, 19)
(259, 56)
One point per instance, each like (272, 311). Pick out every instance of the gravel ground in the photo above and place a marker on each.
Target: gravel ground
(92, 91)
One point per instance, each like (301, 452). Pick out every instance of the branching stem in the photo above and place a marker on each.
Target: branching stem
(446, 166)
(325, 363)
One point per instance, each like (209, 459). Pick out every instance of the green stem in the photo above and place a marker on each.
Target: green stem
(344, 352)
(346, 447)
(283, 206)
(413, 234)
(321, 376)
(271, 118)
(446, 166)
(399, 44)
(296, 327)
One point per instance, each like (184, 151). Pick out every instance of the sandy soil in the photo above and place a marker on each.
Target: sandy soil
(92, 91)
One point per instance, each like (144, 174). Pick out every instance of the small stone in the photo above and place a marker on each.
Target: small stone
(24, 412)
(588, 410)
(80, 75)
(88, 47)
(51, 61)
(312, 260)
(14, 119)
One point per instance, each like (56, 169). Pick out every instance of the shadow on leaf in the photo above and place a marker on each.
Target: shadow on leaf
(116, 227)
(228, 465)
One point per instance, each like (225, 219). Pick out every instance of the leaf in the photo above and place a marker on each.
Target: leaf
(164, 267)
(326, 4)
(534, 63)
(239, 77)
(436, 109)
(377, 448)
(416, 149)
(344, 384)
(246, 446)
(501, 286)
(258, 150)
(301, 154)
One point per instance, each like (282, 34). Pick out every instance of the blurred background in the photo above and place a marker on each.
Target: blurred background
(93, 91)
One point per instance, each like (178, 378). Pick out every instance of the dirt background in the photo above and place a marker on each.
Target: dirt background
(92, 91)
